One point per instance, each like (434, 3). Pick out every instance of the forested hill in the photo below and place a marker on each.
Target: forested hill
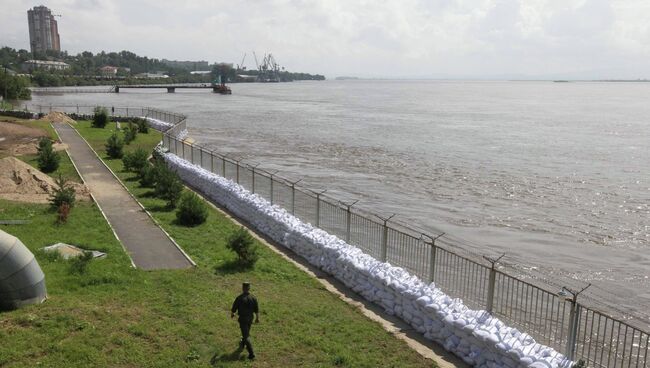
(85, 66)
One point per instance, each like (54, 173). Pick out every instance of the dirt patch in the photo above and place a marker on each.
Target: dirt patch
(21, 182)
(57, 117)
(16, 139)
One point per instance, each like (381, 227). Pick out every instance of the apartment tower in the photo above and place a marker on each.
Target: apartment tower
(43, 30)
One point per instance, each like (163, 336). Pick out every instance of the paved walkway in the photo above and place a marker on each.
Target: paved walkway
(147, 245)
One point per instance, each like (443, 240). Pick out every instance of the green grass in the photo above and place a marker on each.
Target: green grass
(66, 169)
(117, 316)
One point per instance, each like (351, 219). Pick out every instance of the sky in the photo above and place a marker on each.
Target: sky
(492, 39)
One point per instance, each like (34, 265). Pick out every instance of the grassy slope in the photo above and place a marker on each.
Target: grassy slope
(117, 316)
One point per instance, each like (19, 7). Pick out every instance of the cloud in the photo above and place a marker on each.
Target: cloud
(370, 38)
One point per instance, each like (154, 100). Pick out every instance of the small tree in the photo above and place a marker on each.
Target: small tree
(48, 159)
(242, 243)
(114, 146)
(63, 212)
(100, 117)
(130, 133)
(191, 210)
(143, 127)
(147, 176)
(136, 160)
(79, 265)
(168, 184)
(62, 194)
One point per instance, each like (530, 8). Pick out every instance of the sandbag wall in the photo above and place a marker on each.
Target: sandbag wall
(478, 338)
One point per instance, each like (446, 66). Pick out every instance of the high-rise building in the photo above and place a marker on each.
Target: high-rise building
(43, 30)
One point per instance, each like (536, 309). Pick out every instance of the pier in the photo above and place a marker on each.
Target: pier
(171, 88)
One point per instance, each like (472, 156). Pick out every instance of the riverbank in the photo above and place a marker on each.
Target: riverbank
(117, 315)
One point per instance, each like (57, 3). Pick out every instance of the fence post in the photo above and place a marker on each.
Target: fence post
(348, 221)
(293, 197)
(384, 239)
(201, 156)
(253, 169)
(212, 162)
(271, 194)
(492, 282)
(432, 255)
(237, 174)
(271, 176)
(175, 146)
(318, 207)
(183, 148)
(574, 321)
(223, 166)
(192, 153)
(77, 109)
(127, 112)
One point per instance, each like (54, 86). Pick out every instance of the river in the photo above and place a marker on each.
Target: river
(555, 175)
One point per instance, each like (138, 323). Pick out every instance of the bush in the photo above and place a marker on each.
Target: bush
(100, 117)
(191, 210)
(114, 146)
(136, 160)
(143, 127)
(130, 133)
(79, 265)
(63, 193)
(168, 184)
(48, 159)
(242, 243)
(147, 176)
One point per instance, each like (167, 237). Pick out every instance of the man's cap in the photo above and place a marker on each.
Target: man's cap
(246, 284)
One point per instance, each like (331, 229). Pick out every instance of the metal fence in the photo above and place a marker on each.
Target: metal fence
(556, 320)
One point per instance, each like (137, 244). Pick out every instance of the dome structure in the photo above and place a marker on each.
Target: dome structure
(22, 281)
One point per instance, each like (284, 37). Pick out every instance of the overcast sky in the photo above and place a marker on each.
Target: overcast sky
(392, 38)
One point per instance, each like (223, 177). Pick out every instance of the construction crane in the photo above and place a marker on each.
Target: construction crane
(257, 65)
(241, 66)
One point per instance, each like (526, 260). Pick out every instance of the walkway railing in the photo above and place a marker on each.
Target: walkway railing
(554, 319)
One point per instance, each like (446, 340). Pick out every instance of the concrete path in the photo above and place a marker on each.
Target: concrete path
(146, 243)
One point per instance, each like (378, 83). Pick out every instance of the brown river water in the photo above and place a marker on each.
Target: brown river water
(555, 175)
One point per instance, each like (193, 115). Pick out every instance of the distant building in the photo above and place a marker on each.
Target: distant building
(43, 30)
(31, 65)
(108, 71)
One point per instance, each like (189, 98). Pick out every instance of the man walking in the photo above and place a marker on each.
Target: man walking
(245, 306)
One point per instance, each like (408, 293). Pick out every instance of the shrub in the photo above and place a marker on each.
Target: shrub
(242, 243)
(168, 184)
(100, 117)
(79, 265)
(136, 160)
(143, 127)
(48, 159)
(63, 193)
(130, 133)
(191, 210)
(147, 176)
(114, 146)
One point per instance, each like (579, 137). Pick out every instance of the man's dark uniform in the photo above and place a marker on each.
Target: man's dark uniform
(245, 306)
